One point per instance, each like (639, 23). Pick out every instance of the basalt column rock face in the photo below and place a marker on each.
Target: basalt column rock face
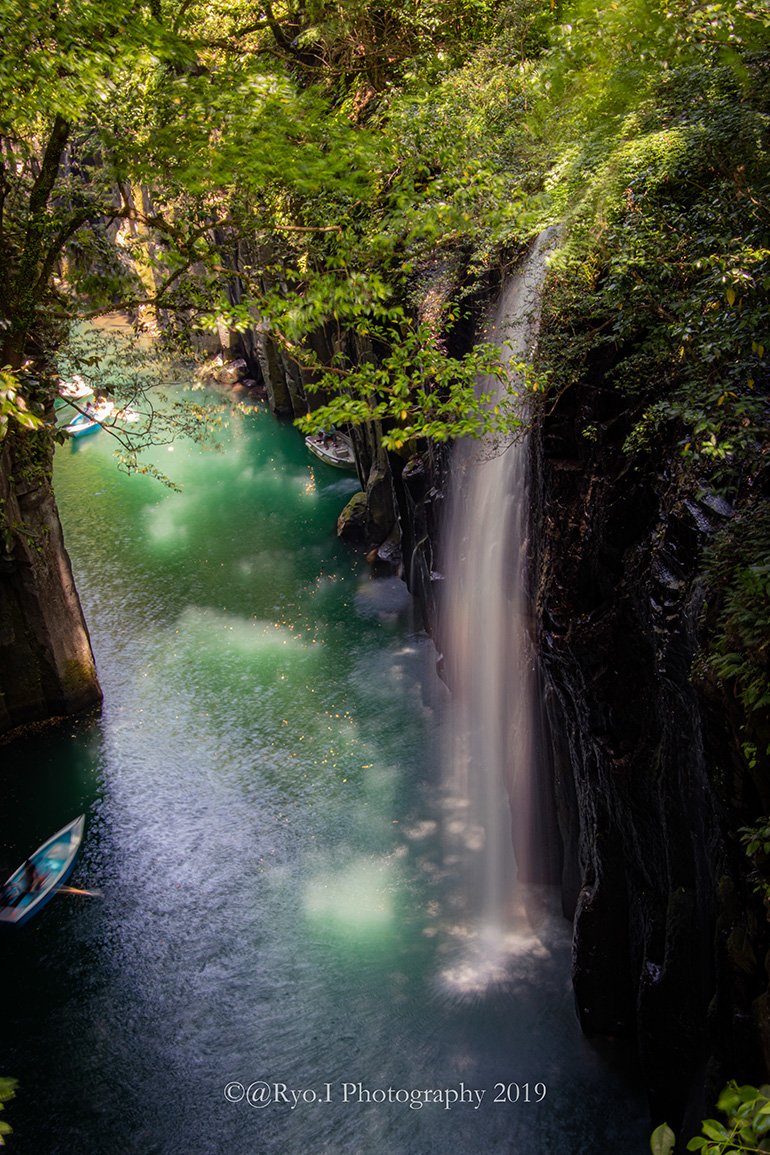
(419, 486)
(669, 941)
(46, 664)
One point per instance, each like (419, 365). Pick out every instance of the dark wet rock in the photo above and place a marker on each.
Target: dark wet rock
(390, 550)
(351, 523)
(380, 515)
(669, 941)
(276, 385)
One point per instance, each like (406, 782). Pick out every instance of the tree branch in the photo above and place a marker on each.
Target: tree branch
(57, 245)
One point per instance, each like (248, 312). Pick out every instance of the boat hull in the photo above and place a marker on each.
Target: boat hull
(91, 420)
(54, 861)
(340, 456)
(80, 426)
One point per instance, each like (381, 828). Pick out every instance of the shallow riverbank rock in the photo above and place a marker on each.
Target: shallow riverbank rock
(351, 523)
(222, 372)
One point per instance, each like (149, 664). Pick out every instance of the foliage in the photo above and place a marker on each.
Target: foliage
(13, 406)
(756, 843)
(739, 567)
(663, 171)
(747, 1128)
(254, 117)
(757, 838)
(418, 392)
(343, 221)
(452, 165)
(662, 1140)
(657, 123)
(7, 1091)
(748, 618)
(301, 167)
(138, 376)
(98, 99)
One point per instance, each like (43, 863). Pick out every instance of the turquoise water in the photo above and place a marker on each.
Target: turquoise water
(282, 961)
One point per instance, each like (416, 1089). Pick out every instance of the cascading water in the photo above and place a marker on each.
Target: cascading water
(487, 631)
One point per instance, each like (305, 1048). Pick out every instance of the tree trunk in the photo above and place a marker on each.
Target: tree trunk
(47, 667)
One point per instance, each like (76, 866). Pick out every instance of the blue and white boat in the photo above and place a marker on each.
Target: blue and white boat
(27, 890)
(91, 420)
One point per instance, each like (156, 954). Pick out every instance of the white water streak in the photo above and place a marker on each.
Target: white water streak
(488, 636)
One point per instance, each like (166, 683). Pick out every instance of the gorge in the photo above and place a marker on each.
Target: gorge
(668, 940)
(341, 201)
(267, 820)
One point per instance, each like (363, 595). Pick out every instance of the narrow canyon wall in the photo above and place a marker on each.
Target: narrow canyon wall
(46, 665)
(669, 940)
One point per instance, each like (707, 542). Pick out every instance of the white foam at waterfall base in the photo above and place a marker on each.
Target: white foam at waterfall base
(492, 753)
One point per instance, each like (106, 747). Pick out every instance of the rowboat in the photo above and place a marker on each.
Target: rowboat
(335, 449)
(74, 390)
(91, 420)
(82, 424)
(53, 862)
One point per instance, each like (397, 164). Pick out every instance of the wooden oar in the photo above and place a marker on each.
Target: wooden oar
(77, 890)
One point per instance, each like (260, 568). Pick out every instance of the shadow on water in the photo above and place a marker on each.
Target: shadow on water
(47, 777)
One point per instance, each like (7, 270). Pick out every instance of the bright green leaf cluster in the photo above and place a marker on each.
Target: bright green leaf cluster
(747, 1126)
(13, 406)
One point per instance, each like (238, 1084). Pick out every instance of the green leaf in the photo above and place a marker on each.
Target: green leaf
(662, 1140)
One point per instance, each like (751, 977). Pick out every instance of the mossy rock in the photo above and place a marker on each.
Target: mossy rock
(352, 521)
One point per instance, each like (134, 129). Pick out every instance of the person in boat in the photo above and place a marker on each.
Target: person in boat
(31, 879)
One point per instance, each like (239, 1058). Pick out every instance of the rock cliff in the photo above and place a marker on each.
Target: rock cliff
(45, 653)
(669, 940)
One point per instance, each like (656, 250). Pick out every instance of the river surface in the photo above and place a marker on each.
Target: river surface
(282, 961)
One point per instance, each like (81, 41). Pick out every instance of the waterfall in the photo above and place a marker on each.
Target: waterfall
(492, 755)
